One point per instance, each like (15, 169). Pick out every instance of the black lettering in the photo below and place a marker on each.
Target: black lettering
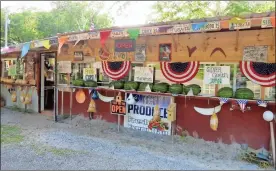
(142, 110)
(136, 109)
(165, 113)
(130, 107)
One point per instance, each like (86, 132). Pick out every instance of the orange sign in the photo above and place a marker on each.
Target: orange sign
(118, 108)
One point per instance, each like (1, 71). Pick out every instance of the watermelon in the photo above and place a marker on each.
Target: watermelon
(117, 84)
(78, 82)
(176, 88)
(161, 87)
(195, 88)
(225, 92)
(244, 93)
(143, 86)
(131, 85)
(90, 84)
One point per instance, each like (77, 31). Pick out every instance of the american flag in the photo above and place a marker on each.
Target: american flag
(262, 103)
(223, 100)
(242, 103)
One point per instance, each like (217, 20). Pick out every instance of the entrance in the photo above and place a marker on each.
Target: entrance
(47, 82)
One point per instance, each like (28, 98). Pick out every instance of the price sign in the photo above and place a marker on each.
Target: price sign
(89, 74)
(143, 74)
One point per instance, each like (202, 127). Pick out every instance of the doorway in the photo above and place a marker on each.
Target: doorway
(47, 82)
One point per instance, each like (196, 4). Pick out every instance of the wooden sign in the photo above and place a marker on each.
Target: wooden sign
(143, 74)
(217, 75)
(118, 108)
(89, 74)
(255, 53)
(64, 67)
(266, 22)
(140, 53)
(78, 56)
(236, 26)
(126, 45)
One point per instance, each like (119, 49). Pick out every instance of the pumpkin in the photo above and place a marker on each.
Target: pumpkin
(80, 96)
(92, 106)
(13, 96)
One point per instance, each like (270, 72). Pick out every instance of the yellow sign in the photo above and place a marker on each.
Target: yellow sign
(89, 74)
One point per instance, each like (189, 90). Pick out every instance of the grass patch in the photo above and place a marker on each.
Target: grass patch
(11, 134)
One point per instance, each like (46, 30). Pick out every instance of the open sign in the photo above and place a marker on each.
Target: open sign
(118, 108)
(126, 45)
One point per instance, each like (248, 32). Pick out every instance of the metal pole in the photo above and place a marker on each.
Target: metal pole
(6, 29)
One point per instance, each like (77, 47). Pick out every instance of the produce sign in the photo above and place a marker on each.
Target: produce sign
(126, 45)
(149, 113)
(64, 67)
(89, 74)
(217, 75)
(143, 74)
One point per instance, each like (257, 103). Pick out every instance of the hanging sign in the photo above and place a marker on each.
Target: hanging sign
(89, 74)
(217, 75)
(126, 45)
(12, 70)
(143, 74)
(236, 26)
(255, 53)
(140, 53)
(149, 113)
(266, 22)
(64, 66)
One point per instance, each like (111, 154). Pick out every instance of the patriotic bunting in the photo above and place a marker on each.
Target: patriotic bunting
(223, 100)
(261, 103)
(116, 70)
(242, 103)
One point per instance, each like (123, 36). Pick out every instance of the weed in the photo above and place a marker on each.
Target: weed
(11, 134)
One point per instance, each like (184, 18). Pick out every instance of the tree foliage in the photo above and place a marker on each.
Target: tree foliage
(182, 10)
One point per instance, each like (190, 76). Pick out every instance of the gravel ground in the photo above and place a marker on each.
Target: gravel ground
(80, 144)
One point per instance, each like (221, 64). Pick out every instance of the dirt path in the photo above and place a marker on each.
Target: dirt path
(81, 144)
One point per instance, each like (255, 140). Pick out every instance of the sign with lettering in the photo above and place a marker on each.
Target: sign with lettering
(140, 115)
(143, 74)
(236, 26)
(125, 45)
(255, 53)
(217, 75)
(119, 56)
(118, 107)
(266, 22)
(119, 33)
(78, 56)
(12, 70)
(205, 26)
(140, 53)
(89, 74)
(64, 66)
(180, 28)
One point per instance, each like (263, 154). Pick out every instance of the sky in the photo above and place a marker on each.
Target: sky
(136, 11)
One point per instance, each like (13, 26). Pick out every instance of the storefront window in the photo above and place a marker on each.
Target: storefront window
(19, 68)
(270, 93)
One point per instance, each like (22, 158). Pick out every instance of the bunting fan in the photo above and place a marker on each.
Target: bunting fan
(260, 73)
(179, 72)
(116, 70)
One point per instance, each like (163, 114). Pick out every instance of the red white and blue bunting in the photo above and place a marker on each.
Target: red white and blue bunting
(260, 73)
(242, 103)
(116, 70)
(179, 72)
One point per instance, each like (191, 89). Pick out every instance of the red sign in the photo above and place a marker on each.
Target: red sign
(127, 45)
(118, 108)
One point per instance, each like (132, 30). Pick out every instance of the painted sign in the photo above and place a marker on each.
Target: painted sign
(141, 114)
(143, 74)
(89, 74)
(236, 26)
(125, 45)
(165, 52)
(255, 53)
(180, 28)
(266, 22)
(119, 33)
(140, 53)
(205, 26)
(217, 75)
(12, 70)
(64, 67)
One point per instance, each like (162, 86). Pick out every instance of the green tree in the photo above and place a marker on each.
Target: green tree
(183, 10)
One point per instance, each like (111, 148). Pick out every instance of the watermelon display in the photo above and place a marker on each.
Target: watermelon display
(131, 85)
(176, 88)
(195, 88)
(78, 82)
(161, 87)
(225, 92)
(117, 84)
(90, 84)
(143, 86)
(244, 93)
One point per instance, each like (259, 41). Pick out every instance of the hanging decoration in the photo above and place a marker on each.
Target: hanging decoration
(80, 96)
(214, 122)
(104, 36)
(116, 70)
(22, 96)
(133, 33)
(46, 44)
(223, 100)
(25, 49)
(242, 103)
(13, 96)
(262, 103)
(92, 106)
(260, 73)
(105, 98)
(179, 72)
(61, 42)
(94, 95)
(130, 99)
(237, 20)
(208, 111)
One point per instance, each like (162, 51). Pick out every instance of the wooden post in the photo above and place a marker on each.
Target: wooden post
(272, 136)
(173, 122)
(118, 123)
(62, 102)
(71, 89)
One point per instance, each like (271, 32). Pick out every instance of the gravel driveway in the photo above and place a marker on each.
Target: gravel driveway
(80, 144)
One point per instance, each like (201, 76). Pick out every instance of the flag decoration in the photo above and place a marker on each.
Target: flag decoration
(25, 49)
(133, 33)
(116, 70)
(46, 44)
(61, 42)
(104, 36)
(262, 103)
(237, 20)
(242, 103)
(179, 72)
(260, 73)
(223, 100)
